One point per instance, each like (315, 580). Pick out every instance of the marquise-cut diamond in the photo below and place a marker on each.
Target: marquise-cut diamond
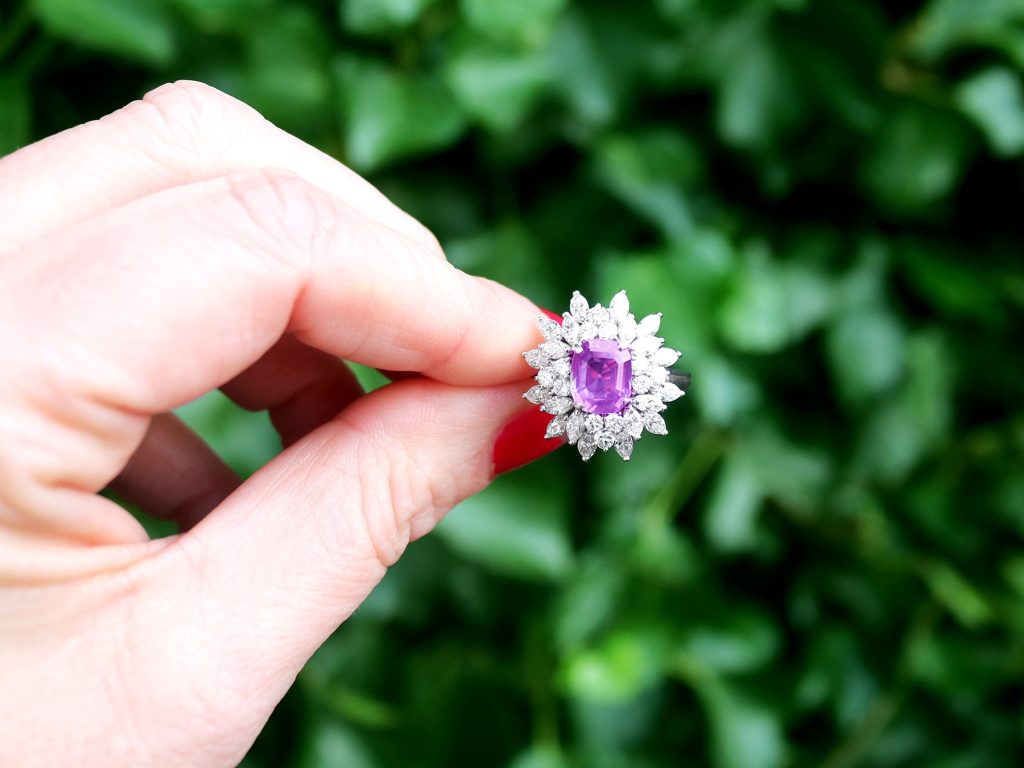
(587, 447)
(557, 405)
(555, 428)
(655, 424)
(574, 426)
(536, 395)
(649, 325)
(625, 447)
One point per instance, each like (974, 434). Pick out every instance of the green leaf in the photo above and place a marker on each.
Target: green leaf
(745, 733)
(515, 22)
(772, 305)
(246, 441)
(286, 74)
(517, 527)
(730, 521)
(376, 17)
(540, 757)
(758, 102)
(581, 73)
(994, 100)
(142, 30)
(953, 286)
(220, 15)
(735, 641)
(866, 350)
(958, 595)
(389, 115)
(649, 172)
(589, 600)
(497, 87)
(16, 108)
(916, 159)
(510, 254)
(947, 26)
(724, 391)
(627, 663)
(762, 463)
(900, 433)
(330, 742)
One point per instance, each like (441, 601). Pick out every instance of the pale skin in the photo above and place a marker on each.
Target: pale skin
(180, 245)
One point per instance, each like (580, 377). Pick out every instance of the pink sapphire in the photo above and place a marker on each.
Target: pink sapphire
(601, 377)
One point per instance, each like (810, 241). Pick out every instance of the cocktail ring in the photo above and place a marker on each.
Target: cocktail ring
(603, 376)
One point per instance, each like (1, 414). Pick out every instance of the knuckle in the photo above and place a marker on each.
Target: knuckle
(400, 501)
(292, 218)
(188, 118)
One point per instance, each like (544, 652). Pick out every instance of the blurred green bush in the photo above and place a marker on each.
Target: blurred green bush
(822, 565)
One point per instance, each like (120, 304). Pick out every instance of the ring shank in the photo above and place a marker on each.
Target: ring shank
(680, 379)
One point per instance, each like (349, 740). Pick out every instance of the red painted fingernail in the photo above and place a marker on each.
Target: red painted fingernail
(553, 315)
(522, 441)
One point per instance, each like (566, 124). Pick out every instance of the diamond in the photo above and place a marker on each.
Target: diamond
(627, 329)
(554, 349)
(560, 368)
(601, 377)
(619, 305)
(586, 446)
(648, 403)
(555, 428)
(665, 356)
(634, 424)
(624, 447)
(570, 330)
(536, 395)
(669, 392)
(574, 426)
(649, 325)
(551, 330)
(654, 423)
(605, 440)
(641, 384)
(534, 358)
(599, 316)
(557, 405)
(646, 344)
(614, 423)
(578, 306)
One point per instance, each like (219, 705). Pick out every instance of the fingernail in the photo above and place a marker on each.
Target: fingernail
(522, 441)
(553, 315)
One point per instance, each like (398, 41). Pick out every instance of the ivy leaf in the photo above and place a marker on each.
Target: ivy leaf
(517, 527)
(142, 30)
(523, 22)
(495, 86)
(381, 17)
(15, 106)
(389, 116)
(916, 158)
(994, 100)
(745, 732)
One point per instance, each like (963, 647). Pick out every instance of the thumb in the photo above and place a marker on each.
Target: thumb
(299, 546)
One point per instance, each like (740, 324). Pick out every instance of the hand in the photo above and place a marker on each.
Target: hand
(179, 245)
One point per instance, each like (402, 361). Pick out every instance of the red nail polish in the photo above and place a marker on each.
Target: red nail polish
(553, 315)
(522, 441)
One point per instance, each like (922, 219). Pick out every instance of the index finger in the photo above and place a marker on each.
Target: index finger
(177, 134)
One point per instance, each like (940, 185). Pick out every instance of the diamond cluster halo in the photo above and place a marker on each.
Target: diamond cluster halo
(603, 376)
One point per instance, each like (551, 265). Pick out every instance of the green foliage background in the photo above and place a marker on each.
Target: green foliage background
(822, 565)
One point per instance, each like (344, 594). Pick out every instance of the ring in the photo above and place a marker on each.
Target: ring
(603, 376)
